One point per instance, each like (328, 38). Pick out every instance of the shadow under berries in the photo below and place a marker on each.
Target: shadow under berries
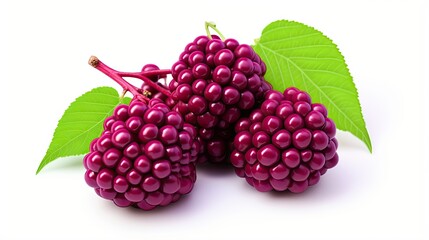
(217, 169)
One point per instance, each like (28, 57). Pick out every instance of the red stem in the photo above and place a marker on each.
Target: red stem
(156, 72)
(142, 76)
(113, 74)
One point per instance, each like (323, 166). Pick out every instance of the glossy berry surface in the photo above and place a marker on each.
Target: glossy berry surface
(285, 145)
(214, 82)
(145, 156)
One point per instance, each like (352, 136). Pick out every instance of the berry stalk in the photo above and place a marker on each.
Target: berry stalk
(119, 78)
(113, 74)
(142, 76)
(156, 72)
(212, 25)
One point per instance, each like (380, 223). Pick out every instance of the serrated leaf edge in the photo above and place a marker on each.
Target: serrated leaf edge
(365, 133)
(44, 162)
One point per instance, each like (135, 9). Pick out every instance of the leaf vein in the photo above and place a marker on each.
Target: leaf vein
(280, 27)
(320, 90)
(292, 38)
(302, 47)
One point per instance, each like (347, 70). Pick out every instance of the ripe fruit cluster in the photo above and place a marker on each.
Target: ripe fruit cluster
(287, 143)
(214, 83)
(145, 156)
(218, 108)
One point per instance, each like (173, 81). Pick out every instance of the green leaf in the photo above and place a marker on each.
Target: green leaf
(301, 56)
(81, 123)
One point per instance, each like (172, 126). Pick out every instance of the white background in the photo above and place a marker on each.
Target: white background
(45, 46)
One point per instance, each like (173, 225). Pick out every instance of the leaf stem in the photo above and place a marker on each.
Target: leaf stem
(113, 74)
(212, 25)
